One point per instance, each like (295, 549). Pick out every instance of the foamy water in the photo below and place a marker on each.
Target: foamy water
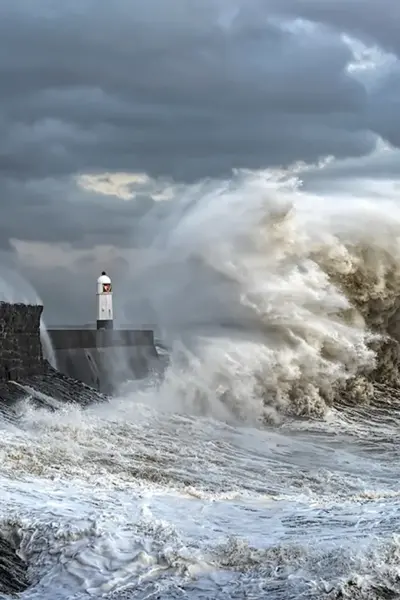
(263, 464)
(124, 501)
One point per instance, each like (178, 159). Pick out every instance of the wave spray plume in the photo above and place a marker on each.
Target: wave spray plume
(272, 299)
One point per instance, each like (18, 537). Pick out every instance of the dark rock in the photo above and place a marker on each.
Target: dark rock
(13, 570)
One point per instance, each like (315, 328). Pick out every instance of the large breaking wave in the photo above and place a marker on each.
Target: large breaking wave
(273, 300)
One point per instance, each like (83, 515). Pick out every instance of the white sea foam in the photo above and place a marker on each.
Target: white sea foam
(253, 283)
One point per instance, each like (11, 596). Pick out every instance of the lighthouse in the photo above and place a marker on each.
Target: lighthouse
(104, 302)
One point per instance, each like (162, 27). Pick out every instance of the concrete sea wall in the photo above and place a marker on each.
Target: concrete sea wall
(105, 358)
(90, 363)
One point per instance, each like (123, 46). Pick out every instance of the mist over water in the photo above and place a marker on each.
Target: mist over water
(263, 463)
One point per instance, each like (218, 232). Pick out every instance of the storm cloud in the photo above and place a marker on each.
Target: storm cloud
(170, 88)
(92, 91)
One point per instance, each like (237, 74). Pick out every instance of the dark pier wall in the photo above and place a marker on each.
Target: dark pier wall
(100, 359)
(90, 363)
(105, 358)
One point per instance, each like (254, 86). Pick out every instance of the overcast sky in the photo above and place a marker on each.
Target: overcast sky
(99, 99)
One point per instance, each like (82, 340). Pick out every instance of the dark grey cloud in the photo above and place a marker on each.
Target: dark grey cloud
(368, 20)
(187, 91)
(384, 107)
(376, 24)
(55, 210)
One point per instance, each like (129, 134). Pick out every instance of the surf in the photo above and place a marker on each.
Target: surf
(272, 300)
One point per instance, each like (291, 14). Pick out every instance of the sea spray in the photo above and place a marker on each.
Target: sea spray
(272, 300)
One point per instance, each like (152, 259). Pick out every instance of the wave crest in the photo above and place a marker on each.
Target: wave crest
(272, 300)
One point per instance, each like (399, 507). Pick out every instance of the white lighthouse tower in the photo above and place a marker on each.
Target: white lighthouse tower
(104, 302)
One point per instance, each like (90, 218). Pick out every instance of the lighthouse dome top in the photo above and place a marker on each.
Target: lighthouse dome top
(104, 278)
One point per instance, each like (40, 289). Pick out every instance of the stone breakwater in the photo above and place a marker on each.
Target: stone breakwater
(23, 366)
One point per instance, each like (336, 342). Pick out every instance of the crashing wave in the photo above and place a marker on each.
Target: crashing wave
(272, 300)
